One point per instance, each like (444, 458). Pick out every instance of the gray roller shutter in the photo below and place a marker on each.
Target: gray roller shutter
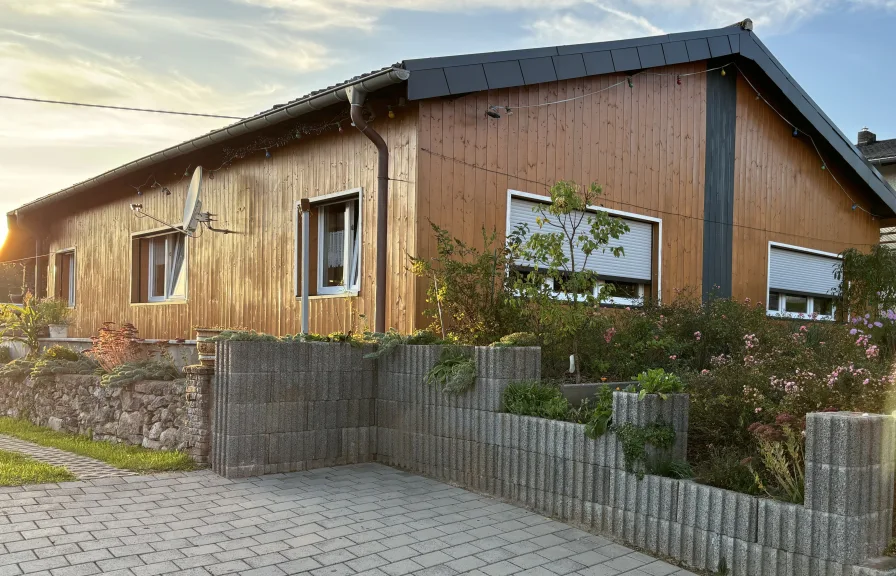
(636, 264)
(802, 272)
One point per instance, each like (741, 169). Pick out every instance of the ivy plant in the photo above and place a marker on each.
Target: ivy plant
(635, 439)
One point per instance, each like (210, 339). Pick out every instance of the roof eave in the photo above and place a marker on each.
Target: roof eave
(370, 83)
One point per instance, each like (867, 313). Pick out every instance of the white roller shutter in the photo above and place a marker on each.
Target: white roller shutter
(636, 264)
(802, 272)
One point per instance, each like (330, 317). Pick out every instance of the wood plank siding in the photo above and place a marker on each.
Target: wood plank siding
(781, 194)
(645, 145)
(246, 279)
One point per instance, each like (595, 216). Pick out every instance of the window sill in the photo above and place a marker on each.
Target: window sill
(165, 303)
(800, 316)
(352, 294)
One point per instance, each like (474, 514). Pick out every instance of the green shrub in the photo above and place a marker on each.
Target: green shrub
(455, 372)
(658, 381)
(146, 370)
(18, 369)
(54, 311)
(516, 339)
(243, 336)
(727, 467)
(59, 352)
(634, 440)
(534, 398)
(47, 367)
(5, 355)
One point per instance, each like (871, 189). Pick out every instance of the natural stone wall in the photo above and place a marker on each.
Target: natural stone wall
(285, 406)
(198, 430)
(152, 414)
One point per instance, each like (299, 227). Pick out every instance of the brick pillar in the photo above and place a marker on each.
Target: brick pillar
(850, 460)
(199, 402)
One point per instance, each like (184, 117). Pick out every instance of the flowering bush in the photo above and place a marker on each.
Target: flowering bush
(116, 345)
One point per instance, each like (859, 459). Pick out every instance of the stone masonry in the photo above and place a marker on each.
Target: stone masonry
(152, 414)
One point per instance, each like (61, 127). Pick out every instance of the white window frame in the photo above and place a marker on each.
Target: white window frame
(70, 297)
(321, 202)
(614, 300)
(782, 312)
(167, 296)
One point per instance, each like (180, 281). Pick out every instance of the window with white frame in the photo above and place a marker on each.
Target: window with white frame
(339, 250)
(65, 276)
(801, 282)
(160, 272)
(629, 276)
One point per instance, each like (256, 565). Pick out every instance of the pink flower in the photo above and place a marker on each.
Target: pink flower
(608, 335)
(704, 372)
(872, 352)
(673, 357)
(628, 308)
(697, 335)
(803, 329)
(758, 409)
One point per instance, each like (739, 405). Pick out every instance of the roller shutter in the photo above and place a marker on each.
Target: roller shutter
(636, 264)
(802, 272)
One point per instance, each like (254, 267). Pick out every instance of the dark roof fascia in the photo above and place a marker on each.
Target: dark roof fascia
(310, 103)
(447, 76)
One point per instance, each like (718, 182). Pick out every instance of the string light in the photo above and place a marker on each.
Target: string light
(796, 132)
(811, 140)
(265, 144)
(628, 80)
(391, 113)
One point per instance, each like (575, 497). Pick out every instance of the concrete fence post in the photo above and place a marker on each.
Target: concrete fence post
(629, 409)
(850, 459)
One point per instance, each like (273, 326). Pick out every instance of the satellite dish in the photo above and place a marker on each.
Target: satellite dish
(193, 205)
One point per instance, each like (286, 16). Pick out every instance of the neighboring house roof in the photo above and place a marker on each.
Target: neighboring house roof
(452, 75)
(880, 151)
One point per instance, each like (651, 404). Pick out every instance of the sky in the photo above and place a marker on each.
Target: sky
(238, 57)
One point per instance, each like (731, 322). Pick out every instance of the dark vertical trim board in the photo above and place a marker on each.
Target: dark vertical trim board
(718, 199)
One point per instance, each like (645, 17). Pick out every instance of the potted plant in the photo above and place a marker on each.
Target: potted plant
(57, 315)
(204, 347)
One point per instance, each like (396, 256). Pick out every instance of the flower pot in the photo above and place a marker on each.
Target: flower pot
(204, 348)
(58, 331)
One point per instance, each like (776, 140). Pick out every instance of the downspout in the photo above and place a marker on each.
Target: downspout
(306, 235)
(356, 97)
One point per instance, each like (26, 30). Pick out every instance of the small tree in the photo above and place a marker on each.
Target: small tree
(867, 281)
(466, 288)
(556, 283)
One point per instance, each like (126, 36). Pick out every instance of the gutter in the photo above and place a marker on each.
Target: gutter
(311, 103)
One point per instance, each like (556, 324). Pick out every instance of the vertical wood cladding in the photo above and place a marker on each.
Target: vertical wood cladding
(718, 198)
(645, 145)
(781, 194)
(246, 279)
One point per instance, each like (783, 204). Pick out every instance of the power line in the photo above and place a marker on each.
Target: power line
(119, 107)
(624, 203)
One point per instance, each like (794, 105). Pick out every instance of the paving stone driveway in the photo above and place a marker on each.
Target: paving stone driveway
(365, 519)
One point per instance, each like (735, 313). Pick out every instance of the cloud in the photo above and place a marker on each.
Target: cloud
(599, 24)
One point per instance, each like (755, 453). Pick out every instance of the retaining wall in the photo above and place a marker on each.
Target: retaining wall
(551, 466)
(152, 414)
(286, 406)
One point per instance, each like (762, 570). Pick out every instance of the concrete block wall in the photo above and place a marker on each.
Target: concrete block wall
(287, 406)
(551, 466)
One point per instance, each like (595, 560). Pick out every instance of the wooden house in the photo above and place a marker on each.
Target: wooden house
(732, 179)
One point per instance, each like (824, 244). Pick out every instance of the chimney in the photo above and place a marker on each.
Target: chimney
(866, 136)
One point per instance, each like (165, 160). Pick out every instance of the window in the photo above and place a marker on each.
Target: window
(801, 282)
(630, 275)
(159, 273)
(65, 277)
(339, 253)
(795, 305)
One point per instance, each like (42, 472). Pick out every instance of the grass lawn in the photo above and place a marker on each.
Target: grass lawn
(17, 469)
(122, 456)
